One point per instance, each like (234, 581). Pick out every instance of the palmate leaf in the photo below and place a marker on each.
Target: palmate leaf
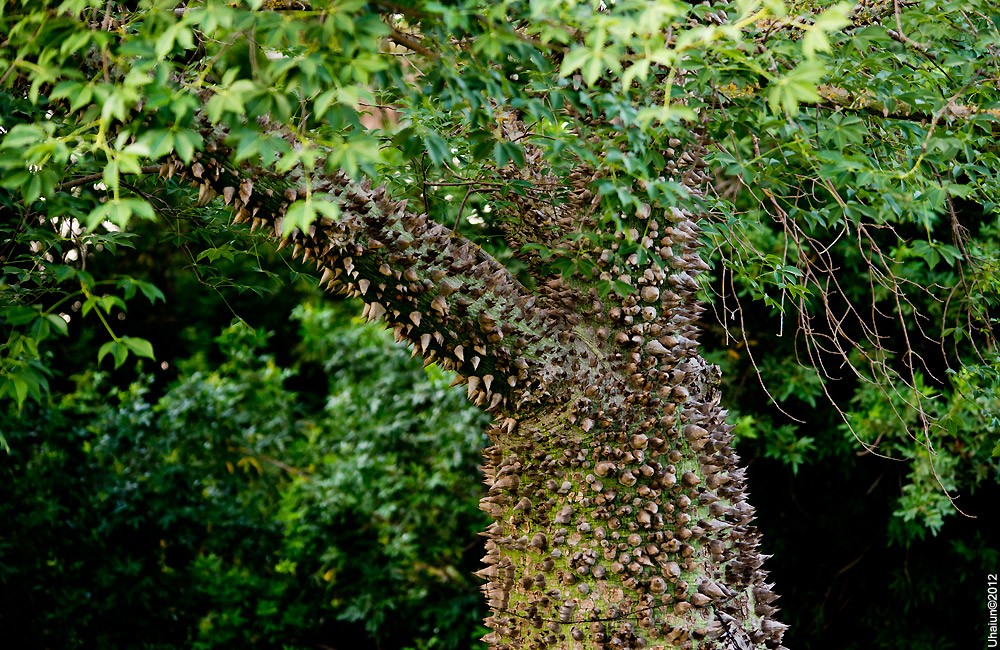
(798, 86)
(120, 348)
(301, 214)
(815, 39)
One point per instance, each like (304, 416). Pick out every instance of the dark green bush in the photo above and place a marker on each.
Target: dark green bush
(229, 512)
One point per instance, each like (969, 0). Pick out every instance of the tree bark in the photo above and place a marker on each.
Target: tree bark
(621, 519)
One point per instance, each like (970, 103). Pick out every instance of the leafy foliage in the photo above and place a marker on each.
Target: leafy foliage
(224, 513)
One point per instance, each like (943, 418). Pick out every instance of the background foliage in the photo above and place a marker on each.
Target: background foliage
(241, 502)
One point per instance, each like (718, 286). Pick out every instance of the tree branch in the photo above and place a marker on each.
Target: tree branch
(841, 98)
(410, 42)
(94, 178)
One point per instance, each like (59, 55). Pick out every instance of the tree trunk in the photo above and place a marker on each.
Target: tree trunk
(620, 513)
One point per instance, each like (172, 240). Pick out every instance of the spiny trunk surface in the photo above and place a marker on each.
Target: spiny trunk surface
(621, 519)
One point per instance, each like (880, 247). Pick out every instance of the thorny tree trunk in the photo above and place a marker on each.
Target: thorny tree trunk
(620, 514)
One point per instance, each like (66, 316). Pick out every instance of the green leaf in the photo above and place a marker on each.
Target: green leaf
(508, 152)
(20, 388)
(574, 60)
(139, 347)
(110, 175)
(23, 136)
(61, 272)
(836, 17)
(118, 351)
(638, 71)
(119, 211)
(57, 322)
(39, 329)
(593, 67)
(798, 86)
(231, 99)
(19, 315)
(815, 38)
(328, 209)
(299, 215)
(159, 142)
(354, 154)
(178, 33)
(130, 285)
(186, 142)
(436, 148)
(323, 101)
(665, 114)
